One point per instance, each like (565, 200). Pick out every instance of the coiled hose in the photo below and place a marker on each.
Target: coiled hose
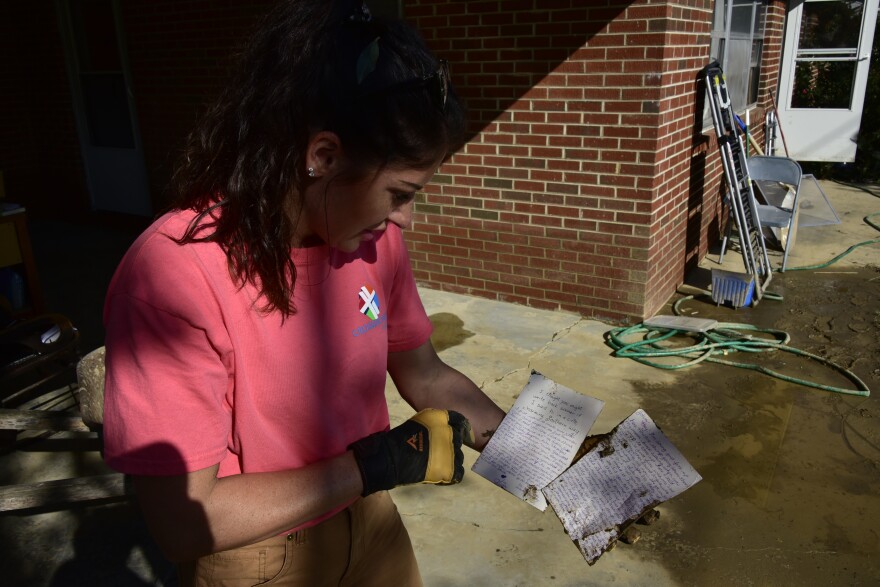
(726, 338)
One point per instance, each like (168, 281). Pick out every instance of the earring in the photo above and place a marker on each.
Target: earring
(311, 172)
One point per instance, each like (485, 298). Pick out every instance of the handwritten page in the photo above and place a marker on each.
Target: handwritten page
(538, 439)
(632, 469)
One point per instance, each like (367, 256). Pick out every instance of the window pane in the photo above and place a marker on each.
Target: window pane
(742, 20)
(760, 13)
(823, 84)
(755, 70)
(739, 53)
(718, 22)
(831, 25)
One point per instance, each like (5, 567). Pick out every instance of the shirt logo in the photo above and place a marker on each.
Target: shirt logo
(370, 307)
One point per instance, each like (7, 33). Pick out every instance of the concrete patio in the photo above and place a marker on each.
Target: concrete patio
(784, 500)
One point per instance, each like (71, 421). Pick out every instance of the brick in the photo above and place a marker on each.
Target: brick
(543, 304)
(547, 221)
(580, 225)
(528, 186)
(469, 202)
(548, 198)
(484, 214)
(563, 188)
(490, 195)
(565, 277)
(529, 208)
(528, 229)
(498, 183)
(566, 141)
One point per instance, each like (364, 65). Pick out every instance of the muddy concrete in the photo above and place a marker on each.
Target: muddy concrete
(791, 475)
(449, 331)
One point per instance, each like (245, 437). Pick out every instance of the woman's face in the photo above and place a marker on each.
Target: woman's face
(345, 214)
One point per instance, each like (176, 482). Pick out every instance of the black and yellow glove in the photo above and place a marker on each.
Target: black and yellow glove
(424, 449)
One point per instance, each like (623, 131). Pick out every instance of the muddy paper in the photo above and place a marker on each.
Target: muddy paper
(538, 439)
(632, 469)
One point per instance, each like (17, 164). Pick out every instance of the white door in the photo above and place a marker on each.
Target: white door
(822, 81)
(104, 106)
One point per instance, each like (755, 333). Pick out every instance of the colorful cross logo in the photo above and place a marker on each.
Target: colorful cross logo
(370, 309)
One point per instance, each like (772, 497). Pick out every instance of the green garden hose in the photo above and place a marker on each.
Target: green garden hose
(867, 219)
(727, 337)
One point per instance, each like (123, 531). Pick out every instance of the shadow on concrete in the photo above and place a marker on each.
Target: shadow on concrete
(111, 546)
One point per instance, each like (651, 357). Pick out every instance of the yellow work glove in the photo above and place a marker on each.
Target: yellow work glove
(424, 449)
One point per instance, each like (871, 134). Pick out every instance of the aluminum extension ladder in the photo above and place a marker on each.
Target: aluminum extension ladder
(740, 195)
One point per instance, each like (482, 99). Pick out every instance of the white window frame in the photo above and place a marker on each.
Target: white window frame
(741, 72)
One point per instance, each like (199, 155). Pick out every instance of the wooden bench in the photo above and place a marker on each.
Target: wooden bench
(49, 414)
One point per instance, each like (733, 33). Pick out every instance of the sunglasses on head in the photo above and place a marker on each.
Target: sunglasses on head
(436, 82)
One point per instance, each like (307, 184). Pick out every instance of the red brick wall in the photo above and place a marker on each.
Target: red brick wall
(588, 184)
(554, 200)
(683, 209)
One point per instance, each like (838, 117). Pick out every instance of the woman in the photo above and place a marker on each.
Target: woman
(249, 330)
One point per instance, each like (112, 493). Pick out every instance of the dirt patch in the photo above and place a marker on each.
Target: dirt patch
(449, 331)
(790, 473)
(832, 314)
(835, 315)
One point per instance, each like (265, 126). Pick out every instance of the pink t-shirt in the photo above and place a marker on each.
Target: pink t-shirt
(197, 375)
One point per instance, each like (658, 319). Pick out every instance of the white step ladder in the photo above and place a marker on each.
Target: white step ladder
(740, 196)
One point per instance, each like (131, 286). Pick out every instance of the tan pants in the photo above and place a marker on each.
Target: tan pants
(364, 545)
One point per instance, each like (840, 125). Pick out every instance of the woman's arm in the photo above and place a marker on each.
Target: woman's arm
(425, 381)
(196, 514)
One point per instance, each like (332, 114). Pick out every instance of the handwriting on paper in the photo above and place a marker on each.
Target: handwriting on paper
(632, 469)
(538, 439)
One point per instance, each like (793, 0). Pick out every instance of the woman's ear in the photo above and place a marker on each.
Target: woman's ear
(323, 154)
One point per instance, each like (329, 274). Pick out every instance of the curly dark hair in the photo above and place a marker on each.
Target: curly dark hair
(304, 71)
